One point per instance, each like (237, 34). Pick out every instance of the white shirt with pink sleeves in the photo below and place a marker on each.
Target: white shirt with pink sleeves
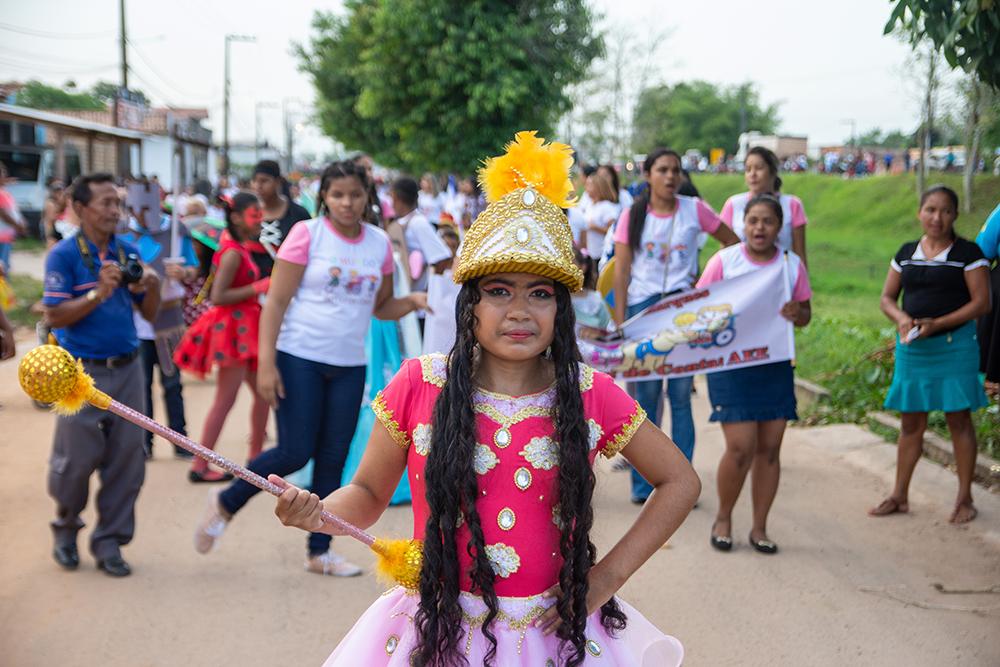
(734, 261)
(793, 215)
(328, 318)
(667, 258)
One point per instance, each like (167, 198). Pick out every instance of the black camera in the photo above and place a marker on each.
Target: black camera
(131, 269)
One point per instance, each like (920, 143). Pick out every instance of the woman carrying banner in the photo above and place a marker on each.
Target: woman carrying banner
(656, 253)
(944, 281)
(760, 171)
(754, 404)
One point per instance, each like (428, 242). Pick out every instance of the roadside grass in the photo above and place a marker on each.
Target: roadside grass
(855, 227)
(28, 292)
(29, 244)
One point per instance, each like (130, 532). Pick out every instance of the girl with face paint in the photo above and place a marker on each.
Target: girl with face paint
(226, 334)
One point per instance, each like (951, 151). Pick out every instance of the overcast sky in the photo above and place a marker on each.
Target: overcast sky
(825, 62)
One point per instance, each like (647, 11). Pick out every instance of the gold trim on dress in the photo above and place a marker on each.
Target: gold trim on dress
(384, 415)
(624, 436)
(586, 378)
(432, 375)
(517, 417)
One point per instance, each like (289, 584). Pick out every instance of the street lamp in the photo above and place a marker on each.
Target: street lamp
(256, 125)
(225, 101)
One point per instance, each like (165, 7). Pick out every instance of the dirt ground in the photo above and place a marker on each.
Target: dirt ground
(844, 590)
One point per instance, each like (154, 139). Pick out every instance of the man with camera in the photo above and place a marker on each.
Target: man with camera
(91, 283)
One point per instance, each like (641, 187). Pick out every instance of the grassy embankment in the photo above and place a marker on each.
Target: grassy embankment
(855, 227)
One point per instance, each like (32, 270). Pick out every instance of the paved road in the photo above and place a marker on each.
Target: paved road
(845, 589)
(28, 263)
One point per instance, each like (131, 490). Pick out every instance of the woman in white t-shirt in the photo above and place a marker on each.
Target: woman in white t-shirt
(656, 253)
(431, 201)
(601, 214)
(332, 274)
(760, 172)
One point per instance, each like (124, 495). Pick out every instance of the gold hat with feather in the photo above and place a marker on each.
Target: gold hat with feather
(523, 228)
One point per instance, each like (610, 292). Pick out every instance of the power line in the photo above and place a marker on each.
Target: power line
(54, 35)
(35, 68)
(7, 52)
(169, 83)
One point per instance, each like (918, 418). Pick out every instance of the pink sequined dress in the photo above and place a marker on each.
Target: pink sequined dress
(517, 463)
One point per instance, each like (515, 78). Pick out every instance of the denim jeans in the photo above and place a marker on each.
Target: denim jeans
(649, 395)
(316, 420)
(172, 397)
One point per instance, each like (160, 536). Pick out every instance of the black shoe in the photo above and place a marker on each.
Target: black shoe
(208, 477)
(180, 453)
(720, 542)
(764, 546)
(114, 566)
(67, 556)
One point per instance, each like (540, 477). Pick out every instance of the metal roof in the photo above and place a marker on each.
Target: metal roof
(66, 123)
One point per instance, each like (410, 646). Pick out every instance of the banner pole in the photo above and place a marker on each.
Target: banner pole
(787, 289)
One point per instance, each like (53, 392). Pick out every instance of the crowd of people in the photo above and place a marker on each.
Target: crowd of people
(312, 296)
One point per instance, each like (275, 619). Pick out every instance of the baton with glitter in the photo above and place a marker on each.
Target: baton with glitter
(50, 374)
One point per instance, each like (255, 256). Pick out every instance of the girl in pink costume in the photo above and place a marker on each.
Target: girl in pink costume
(499, 438)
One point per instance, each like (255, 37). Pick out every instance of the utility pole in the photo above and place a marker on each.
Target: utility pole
(289, 132)
(121, 150)
(225, 100)
(122, 39)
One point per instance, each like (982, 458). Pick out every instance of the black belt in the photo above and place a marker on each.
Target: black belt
(113, 362)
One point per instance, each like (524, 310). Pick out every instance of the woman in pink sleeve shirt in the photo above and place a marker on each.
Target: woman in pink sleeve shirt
(332, 274)
(760, 170)
(754, 404)
(656, 253)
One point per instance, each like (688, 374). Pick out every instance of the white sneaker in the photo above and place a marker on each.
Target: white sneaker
(211, 526)
(332, 564)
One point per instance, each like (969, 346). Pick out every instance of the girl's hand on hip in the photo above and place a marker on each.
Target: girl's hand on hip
(269, 384)
(298, 508)
(601, 589)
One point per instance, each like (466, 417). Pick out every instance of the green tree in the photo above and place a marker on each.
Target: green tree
(38, 95)
(876, 138)
(967, 32)
(699, 115)
(105, 92)
(439, 85)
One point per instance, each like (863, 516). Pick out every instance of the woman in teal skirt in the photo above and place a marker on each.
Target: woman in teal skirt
(944, 282)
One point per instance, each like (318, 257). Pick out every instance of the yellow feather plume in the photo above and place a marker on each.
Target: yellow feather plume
(529, 161)
(77, 396)
(399, 562)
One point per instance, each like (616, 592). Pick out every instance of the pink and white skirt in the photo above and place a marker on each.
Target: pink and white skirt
(385, 635)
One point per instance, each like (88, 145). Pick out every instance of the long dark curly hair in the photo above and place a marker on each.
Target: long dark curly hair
(452, 490)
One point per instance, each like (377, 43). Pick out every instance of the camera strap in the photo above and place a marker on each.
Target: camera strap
(88, 258)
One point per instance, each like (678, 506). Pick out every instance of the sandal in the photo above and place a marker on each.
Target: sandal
(889, 506)
(208, 477)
